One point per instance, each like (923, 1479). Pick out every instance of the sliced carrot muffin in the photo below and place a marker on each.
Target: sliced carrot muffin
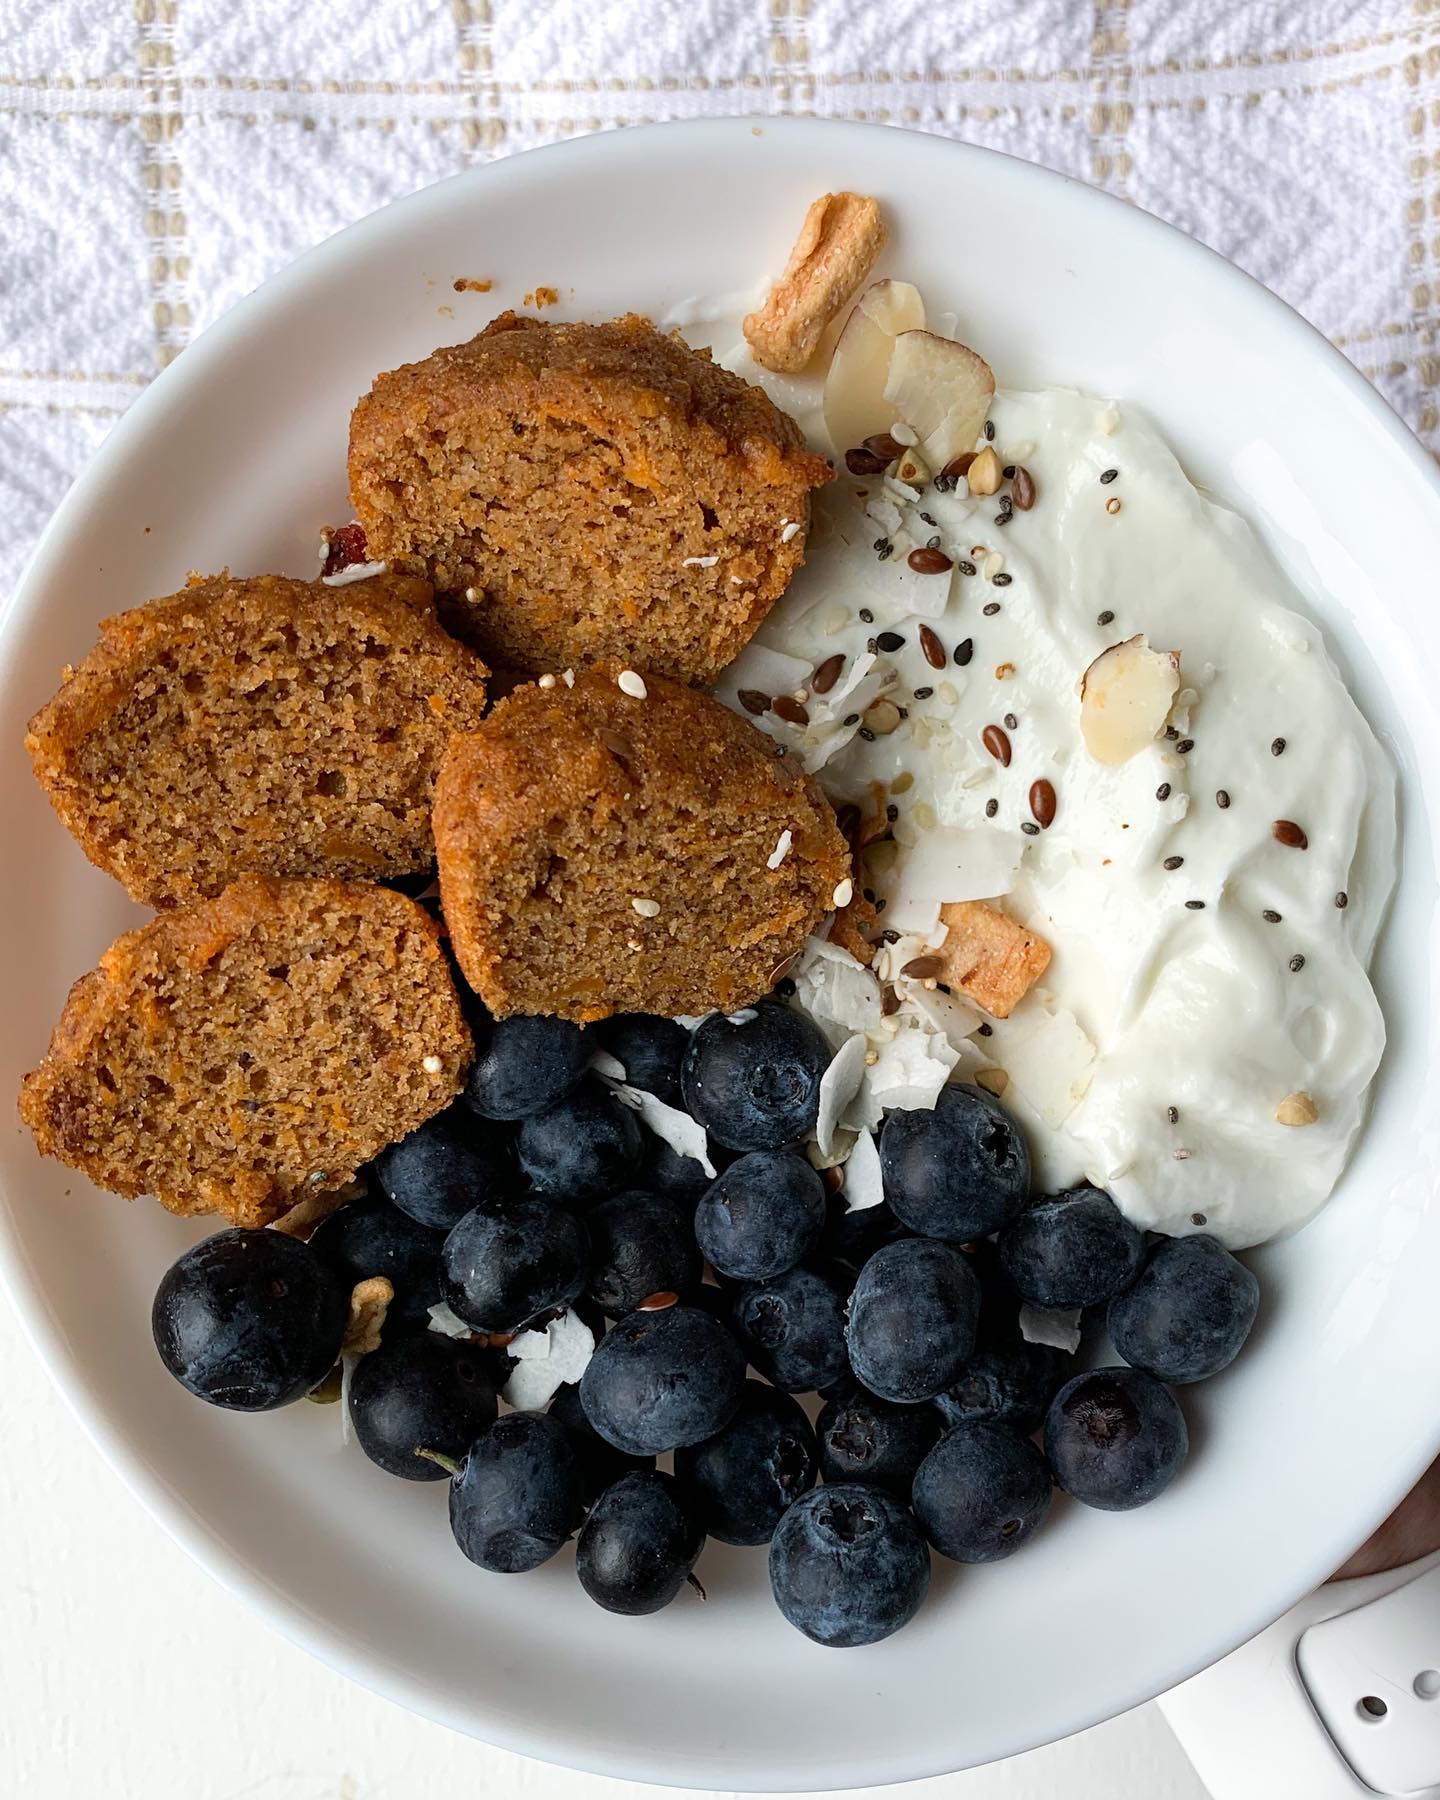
(261, 724)
(237, 1054)
(584, 493)
(628, 845)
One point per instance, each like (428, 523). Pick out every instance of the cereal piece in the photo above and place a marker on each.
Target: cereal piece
(842, 236)
(988, 958)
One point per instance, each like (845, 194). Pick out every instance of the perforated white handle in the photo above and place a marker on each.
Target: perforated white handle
(1338, 1700)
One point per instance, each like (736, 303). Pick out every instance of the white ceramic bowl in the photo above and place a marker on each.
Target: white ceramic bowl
(236, 456)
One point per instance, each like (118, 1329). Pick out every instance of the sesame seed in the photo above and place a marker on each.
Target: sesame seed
(780, 852)
(1163, 791)
(472, 594)
(432, 1065)
(1105, 618)
(1173, 862)
(844, 893)
(792, 530)
(630, 683)
(546, 681)
(1297, 963)
(568, 677)
(647, 909)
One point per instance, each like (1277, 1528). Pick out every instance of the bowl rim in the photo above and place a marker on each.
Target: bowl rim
(329, 1642)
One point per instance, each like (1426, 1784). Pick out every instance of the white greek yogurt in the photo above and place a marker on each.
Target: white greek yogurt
(1176, 1016)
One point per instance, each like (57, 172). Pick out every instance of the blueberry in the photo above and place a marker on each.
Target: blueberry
(999, 1303)
(512, 1259)
(761, 1216)
(755, 1083)
(419, 1392)
(451, 1163)
(664, 1171)
(981, 1492)
(601, 1464)
(1115, 1438)
(958, 1172)
(638, 1546)
(794, 1329)
(1189, 1313)
(517, 1495)
(913, 1316)
(371, 1237)
(853, 1237)
(524, 1065)
(848, 1565)
(640, 1244)
(1007, 1383)
(1071, 1250)
(585, 1147)
(662, 1379)
(651, 1050)
(865, 1439)
(249, 1320)
(739, 1482)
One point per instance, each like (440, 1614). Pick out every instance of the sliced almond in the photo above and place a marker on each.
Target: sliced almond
(1297, 1109)
(1125, 698)
(942, 390)
(836, 249)
(854, 401)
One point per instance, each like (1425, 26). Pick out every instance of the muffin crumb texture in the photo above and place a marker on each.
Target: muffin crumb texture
(601, 853)
(235, 1055)
(266, 725)
(585, 493)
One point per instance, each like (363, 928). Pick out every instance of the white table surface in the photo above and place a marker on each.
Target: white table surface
(126, 1673)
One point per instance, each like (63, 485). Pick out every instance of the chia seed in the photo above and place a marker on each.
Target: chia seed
(1172, 1113)
(964, 650)
(1108, 476)
(867, 734)
(784, 987)
(1222, 799)
(892, 813)
(1297, 963)
(1010, 721)
(989, 431)
(851, 719)
(991, 808)
(965, 566)
(1185, 746)
(991, 608)
(1030, 828)
(1270, 917)
(1277, 747)
(1173, 862)
(866, 616)
(1163, 791)
(1342, 899)
(1002, 579)
(924, 693)
(1195, 905)
(1105, 618)
(984, 1030)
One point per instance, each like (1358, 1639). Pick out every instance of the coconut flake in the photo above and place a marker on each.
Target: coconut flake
(838, 1087)
(447, 1323)
(356, 572)
(603, 1063)
(907, 1075)
(348, 1366)
(947, 865)
(672, 1126)
(1047, 1056)
(1061, 1330)
(864, 1185)
(547, 1358)
(700, 562)
(837, 991)
(951, 1017)
(781, 850)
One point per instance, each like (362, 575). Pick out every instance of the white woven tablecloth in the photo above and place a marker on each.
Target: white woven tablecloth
(160, 158)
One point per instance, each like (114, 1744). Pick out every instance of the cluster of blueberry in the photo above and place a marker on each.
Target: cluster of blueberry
(539, 1191)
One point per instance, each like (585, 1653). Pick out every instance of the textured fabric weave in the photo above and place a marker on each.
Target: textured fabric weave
(158, 159)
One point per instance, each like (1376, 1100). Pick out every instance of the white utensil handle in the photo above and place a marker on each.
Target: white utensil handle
(1339, 1700)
